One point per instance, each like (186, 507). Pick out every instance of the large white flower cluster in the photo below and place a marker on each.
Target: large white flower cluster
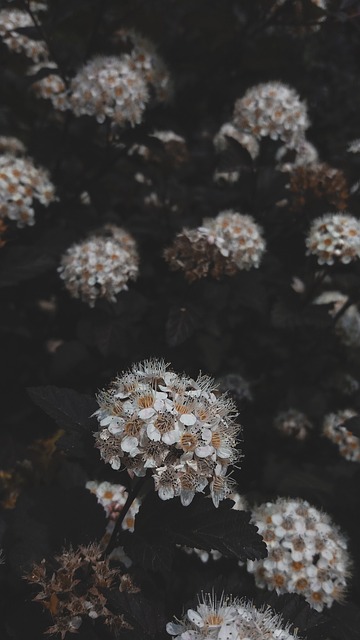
(21, 185)
(153, 418)
(333, 237)
(229, 619)
(100, 266)
(10, 21)
(347, 442)
(273, 110)
(307, 553)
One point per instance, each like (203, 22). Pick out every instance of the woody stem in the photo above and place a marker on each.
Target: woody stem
(130, 499)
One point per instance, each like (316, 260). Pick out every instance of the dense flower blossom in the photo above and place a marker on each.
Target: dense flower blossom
(113, 498)
(10, 21)
(293, 423)
(272, 110)
(100, 266)
(227, 619)
(334, 236)
(109, 87)
(21, 185)
(347, 442)
(307, 553)
(348, 324)
(223, 245)
(153, 418)
(73, 590)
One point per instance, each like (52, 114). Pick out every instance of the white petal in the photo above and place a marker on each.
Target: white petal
(174, 629)
(166, 493)
(153, 433)
(171, 436)
(144, 414)
(195, 618)
(188, 419)
(129, 443)
(204, 452)
(115, 428)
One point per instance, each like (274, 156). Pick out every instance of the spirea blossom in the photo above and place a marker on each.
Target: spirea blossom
(293, 423)
(334, 429)
(334, 237)
(73, 589)
(21, 185)
(246, 140)
(223, 245)
(50, 87)
(110, 87)
(11, 145)
(307, 553)
(303, 154)
(10, 21)
(100, 266)
(348, 323)
(113, 498)
(272, 110)
(153, 418)
(229, 619)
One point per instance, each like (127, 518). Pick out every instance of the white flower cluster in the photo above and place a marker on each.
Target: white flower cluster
(348, 444)
(10, 21)
(109, 87)
(237, 237)
(354, 146)
(11, 145)
(304, 153)
(51, 86)
(100, 266)
(153, 418)
(229, 130)
(229, 619)
(334, 236)
(274, 110)
(307, 553)
(293, 423)
(348, 323)
(113, 497)
(21, 185)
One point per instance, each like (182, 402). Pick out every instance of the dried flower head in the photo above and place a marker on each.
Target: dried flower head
(101, 266)
(246, 140)
(293, 423)
(10, 21)
(223, 245)
(318, 181)
(348, 324)
(72, 587)
(21, 185)
(109, 87)
(229, 618)
(334, 237)
(347, 442)
(153, 418)
(50, 87)
(307, 553)
(272, 110)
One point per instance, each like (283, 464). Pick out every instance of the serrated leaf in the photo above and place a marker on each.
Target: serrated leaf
(70, 410)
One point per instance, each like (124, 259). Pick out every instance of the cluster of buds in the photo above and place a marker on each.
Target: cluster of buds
(348, 324)
(307, 553)
(228, 618)
(317, 181)
(21, 185)
(334, 429)
(113, 498)
(153, 418)
(334, 237)
(72, 589)
(273, 110)
(224, 245)
(12, 20)
(101, 266)
(293, 423)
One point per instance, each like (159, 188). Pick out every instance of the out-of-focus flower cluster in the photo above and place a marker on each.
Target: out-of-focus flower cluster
(334, 429)
(348, 324)
(236, 386)
(333, 237)
(317, 181)
(307, 553)
(303, 154)
(113, 498)
(101, 266)
(221, 246)
(13, 19)
(229, 618)
(72, 589)
(300, 16)
(21, 185)
(293, 423)
(52, 86)
(153, 418)
(273, 110)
